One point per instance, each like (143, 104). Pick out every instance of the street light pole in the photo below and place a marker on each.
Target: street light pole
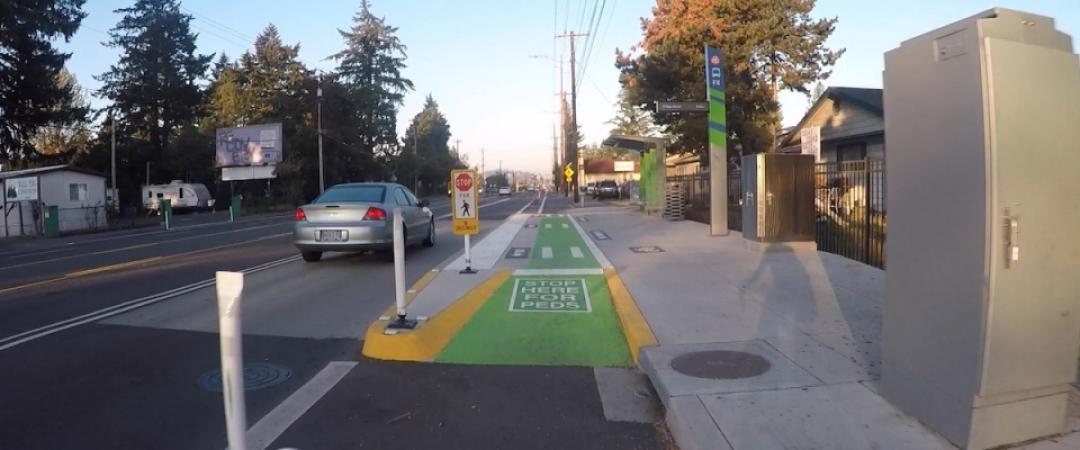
(322, 181)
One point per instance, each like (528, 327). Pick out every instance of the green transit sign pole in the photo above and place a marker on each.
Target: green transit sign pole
(714, 80)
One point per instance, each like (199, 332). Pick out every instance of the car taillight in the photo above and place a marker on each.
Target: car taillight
(375, 214)
(300, 216)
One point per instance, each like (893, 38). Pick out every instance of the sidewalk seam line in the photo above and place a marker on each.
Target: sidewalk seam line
(713, 420)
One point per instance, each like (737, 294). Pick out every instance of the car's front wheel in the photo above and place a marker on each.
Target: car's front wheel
(311, 256)
(430, 240)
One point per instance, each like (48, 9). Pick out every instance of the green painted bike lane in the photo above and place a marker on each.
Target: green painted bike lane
(564, 320)
(559, 246)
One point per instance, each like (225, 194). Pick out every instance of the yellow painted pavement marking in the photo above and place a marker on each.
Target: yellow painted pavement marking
(137, 246)
(634, 326)
(413, 291)
(126, 264)
(428, 340)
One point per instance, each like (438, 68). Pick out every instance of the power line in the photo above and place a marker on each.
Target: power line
(219, 25)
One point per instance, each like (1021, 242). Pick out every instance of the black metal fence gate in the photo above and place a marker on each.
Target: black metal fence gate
(849, 200)
(850, 203)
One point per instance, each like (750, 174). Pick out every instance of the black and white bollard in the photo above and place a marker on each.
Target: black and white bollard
(230, 286)
(401, 323)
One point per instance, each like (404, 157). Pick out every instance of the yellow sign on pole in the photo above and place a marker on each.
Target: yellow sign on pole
(466, 211)
(569, 174)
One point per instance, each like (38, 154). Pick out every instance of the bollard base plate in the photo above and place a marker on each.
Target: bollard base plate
(400, 324)
(468, 270)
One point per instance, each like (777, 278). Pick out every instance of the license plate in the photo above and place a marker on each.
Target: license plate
(332, 236)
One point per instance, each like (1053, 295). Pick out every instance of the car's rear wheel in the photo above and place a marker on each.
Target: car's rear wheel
(311, 256)
(430, 240)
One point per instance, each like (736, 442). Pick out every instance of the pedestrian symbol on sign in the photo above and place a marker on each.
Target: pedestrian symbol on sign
(465, 209)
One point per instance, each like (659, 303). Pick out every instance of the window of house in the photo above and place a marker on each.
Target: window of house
(149, 194)
(181, 190)
(77, 191)
(851, 152)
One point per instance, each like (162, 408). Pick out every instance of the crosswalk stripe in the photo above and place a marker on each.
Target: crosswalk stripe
(547, 225)
(565, 225)
(576, 252)
(545, 253)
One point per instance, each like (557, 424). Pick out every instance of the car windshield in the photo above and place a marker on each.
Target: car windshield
(361, 194)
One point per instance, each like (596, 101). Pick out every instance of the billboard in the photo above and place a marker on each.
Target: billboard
(253, 145)
(21, 189)
(624, 166)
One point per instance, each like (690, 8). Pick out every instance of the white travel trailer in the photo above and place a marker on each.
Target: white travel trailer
(183, 196)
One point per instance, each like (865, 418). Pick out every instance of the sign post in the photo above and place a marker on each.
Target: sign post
(466, 221)
(714, 79)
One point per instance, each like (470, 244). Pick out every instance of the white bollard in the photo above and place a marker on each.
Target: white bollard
(401, 323)
(399, 263)
(230, 286)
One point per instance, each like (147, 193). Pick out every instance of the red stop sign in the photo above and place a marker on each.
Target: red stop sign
(463, 182)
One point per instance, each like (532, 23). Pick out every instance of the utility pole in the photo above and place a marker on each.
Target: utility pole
(322, 181)
(148, 173)
(112, 158)
(572, 135)
(483, 170)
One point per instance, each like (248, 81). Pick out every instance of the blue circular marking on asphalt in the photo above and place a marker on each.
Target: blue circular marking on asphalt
(256, 376)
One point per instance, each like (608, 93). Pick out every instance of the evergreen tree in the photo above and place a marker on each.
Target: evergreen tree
(28, 29)
(153, 86)
(68, 134)
(370, 69)
(426, 155)
(630, 119)
(768, 45)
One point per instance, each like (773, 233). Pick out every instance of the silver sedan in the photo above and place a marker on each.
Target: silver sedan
(356, 217)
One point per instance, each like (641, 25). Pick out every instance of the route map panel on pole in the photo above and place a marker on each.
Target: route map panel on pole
(466, 212)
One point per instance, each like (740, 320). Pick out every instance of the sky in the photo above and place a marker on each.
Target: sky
(492, 64)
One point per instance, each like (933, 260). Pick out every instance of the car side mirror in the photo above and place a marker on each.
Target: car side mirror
(423, 203)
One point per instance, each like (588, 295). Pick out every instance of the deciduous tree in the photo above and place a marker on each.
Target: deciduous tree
(768, 45)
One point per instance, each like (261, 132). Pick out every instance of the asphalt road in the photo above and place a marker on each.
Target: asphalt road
(104, 342)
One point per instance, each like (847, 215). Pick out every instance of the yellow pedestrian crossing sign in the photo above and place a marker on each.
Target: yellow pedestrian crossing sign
(569, 174)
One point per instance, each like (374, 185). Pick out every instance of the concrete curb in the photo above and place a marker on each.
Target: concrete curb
(635, 328)
(689, 422)
(428, 340)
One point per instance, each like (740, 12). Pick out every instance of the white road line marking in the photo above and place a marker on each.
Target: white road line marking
(105, 313)
(565, 226)
(557, 272)
(547, 225)
(546, 253)
(274, 423)
(599, 255)
(576, 252)
(481, 206)
(542, 201)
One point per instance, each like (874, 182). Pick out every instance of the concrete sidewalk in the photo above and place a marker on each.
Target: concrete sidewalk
(809, 322)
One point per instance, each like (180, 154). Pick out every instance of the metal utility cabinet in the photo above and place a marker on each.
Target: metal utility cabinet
(778, 200)
(982, 314)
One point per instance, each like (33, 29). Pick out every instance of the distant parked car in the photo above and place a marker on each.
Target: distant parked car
(590, 188)
(504, 191)
(355, 217)
(607, 189)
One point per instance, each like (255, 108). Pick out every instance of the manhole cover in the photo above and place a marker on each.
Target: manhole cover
(721, 364)
(256, 376)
